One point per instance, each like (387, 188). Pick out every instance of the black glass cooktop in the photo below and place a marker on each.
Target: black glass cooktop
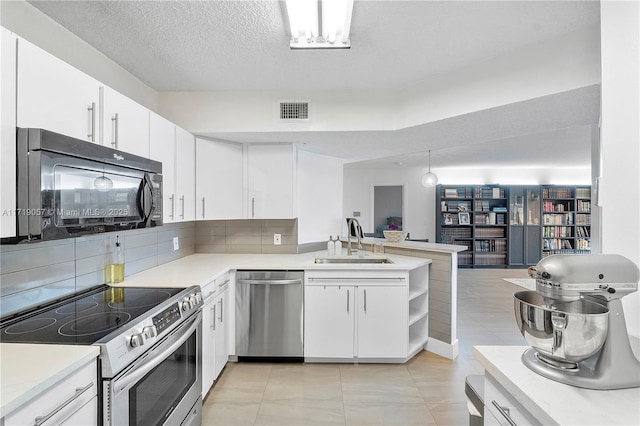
(87, 319)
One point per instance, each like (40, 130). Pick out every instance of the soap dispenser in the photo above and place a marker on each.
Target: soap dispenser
(338, 246)
(116, 266)
(331, 250)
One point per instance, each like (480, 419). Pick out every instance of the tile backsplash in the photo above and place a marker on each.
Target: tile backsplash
(34, 273)
(246, 236)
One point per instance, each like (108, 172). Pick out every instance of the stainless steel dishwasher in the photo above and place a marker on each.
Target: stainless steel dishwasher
(269, 315)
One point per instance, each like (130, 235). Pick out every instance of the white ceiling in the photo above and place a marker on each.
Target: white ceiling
(243, 46)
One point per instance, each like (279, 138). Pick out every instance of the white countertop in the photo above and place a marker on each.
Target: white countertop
(201, 268)
(551, 402)
(414, 245)
(26, 370)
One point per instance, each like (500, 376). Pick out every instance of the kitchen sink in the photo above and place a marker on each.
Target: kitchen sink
(353, 259)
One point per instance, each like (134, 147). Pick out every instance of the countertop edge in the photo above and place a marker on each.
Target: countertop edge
(551, 402)
(91, 353)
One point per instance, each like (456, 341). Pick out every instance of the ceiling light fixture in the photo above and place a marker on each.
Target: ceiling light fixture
(429, 179)
(320, 24)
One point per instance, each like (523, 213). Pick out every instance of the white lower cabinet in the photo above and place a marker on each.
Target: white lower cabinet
(329, 321)
(71, 401)
(221, 330)
(356, 317)
(215, 335)
(208, 344)
(382, 322)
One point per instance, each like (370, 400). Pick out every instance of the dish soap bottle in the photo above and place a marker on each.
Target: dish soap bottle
(331, 250)
(337, 246)
(116, 267)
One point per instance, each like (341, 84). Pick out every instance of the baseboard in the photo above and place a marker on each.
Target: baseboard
(438, 347)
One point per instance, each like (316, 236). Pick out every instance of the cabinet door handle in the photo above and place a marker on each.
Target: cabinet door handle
(505, 412)
(221, 309)
(182, 214)
(365, 301)
(213, 317)
(114, 128)
(172, 207)
(203, 207)
(92, 121)
(213, 321)
(253, 207)
(347, 300)
(79, 391)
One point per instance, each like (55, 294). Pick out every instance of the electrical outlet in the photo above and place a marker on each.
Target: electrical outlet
(277, 239)
(176, 244)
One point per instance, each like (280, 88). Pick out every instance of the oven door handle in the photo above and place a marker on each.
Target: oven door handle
(140, 371)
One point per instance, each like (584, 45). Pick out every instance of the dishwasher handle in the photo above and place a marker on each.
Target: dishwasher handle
(268, 282)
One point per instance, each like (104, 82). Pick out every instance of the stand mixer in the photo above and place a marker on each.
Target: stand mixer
(575, 323)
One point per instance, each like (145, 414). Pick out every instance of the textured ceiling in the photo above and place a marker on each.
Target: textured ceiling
(243, 46)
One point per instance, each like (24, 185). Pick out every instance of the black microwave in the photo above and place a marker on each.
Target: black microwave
(68, 187)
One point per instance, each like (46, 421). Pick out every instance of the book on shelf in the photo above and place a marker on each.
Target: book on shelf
(557, 193)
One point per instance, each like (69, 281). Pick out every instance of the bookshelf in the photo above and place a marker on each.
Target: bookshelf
(513, 226)
(476, 217)
(566, 219)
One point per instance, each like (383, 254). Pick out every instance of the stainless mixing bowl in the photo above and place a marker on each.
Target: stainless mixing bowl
(563, 331)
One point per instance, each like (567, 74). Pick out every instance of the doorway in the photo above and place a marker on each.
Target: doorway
(387, 208)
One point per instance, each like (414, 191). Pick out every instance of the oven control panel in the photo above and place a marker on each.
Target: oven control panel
(166, 318)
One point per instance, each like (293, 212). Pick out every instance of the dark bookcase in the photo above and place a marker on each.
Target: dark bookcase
(513, 225)
(476, 217)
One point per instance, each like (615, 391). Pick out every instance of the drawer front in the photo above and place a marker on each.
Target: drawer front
(60, 401)
(503, 407)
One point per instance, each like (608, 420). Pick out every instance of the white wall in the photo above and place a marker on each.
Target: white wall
(620, 139)
(29, 23)
(552, 66)
(418, 208)
(320, 186)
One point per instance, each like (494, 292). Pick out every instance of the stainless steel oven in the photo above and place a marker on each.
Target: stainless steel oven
(68, 187)
(150, 340)
(164, 386)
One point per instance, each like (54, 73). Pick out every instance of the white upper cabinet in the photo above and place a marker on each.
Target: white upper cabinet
(55, 96)
(219, 180)
(271, 181)
(8, 135)
(125, 123)
(162, 137)
(185, 175)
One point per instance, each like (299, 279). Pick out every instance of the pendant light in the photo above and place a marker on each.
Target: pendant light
(429, 179)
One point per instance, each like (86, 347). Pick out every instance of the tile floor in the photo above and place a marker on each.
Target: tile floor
(427, 390)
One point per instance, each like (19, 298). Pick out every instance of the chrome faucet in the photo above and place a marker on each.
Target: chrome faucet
(349, 225)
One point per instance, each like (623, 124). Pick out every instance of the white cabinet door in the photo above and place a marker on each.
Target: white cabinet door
(87, 415)
(219, 184)
(329, 321)
(162, 137)
(185, 175)
(382, 322)
(208, 345)
(55, 96)
(8, 134)
(222, 336)
(271, 181)
(125, 123)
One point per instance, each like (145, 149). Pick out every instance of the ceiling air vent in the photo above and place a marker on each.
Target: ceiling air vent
(294, 110)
